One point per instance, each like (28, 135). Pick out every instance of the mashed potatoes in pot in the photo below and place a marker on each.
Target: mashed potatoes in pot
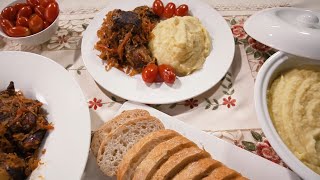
(181, 42)
(294, 107)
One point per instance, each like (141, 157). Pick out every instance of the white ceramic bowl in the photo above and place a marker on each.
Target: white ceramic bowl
(33, 39)
(273, 67)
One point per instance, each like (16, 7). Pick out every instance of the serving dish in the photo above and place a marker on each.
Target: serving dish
(33, 39)
(296, 33)
(248, 164)
(133, 88)
(67, 145)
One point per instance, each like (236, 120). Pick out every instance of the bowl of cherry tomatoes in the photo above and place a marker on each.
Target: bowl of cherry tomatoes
(29, 22)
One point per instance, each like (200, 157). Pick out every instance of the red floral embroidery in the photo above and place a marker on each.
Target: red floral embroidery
(95, 103)
(257, 45)
(265, 150)
(238, 31)
(229, 102)
(191, 103)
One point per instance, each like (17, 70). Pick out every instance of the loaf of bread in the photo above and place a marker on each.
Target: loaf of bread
(119, 141)
(108, 127)
(135, 146)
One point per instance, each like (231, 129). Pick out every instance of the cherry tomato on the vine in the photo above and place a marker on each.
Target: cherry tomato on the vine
(149, 73)
(51, 12)
(19, 31)
(9, 13)
(22, 21)
(169, 10)
(158, 7)
(5, 24)
(25, 11)
(182, 10)
(35, 24)
(167, 73)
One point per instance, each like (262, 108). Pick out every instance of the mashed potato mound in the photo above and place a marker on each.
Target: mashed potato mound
(181, 42)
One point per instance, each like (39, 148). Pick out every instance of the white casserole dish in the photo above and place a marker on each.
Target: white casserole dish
(294, 31)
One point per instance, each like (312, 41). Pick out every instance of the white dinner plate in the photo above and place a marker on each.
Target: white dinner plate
(67, 145)
(133, 88)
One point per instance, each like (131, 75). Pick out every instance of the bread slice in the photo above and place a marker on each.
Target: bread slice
(111, 125)
(198, 169)
(178, 161)
(140, 150)
(222, 173)
(118, 142)
(158, 155)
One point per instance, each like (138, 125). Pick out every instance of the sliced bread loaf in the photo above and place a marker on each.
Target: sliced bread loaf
(222, 173)
(140, 150)
(111, 125)
(159, 155)
(119, 141)
(198, 169)
(179, 161)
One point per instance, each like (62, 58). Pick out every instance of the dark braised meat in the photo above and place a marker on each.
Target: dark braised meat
(146, 12)
(138, 56)
(13, 166)
(23, 126)
(126, 21)
(124, 37)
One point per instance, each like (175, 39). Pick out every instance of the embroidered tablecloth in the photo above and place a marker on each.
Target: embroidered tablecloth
(226, 111)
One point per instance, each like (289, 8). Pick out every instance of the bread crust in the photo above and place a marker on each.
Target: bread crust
(159, 155)
(178, 161)
(140, 150)
(198, 169)
(222, 172)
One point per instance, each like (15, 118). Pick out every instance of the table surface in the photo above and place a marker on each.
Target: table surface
(226, 111)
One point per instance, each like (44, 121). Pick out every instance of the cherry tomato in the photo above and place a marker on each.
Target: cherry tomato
(22, 21)
(35, 24)
(45, 3)
(25, 11)
(149, 73)
(182, 10)
(169, 10)
(167, 73)
(19, 31)
(5, 24)
(9, 13)
(45, 24)
(51, 12)
(18, 6)
(33, 3)
(158, 7)
(39, 10)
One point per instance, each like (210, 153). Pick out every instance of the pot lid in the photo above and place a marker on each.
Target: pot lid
(292, 30)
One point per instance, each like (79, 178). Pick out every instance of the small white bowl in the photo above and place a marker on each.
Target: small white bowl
(33, 39)
(274, 66)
